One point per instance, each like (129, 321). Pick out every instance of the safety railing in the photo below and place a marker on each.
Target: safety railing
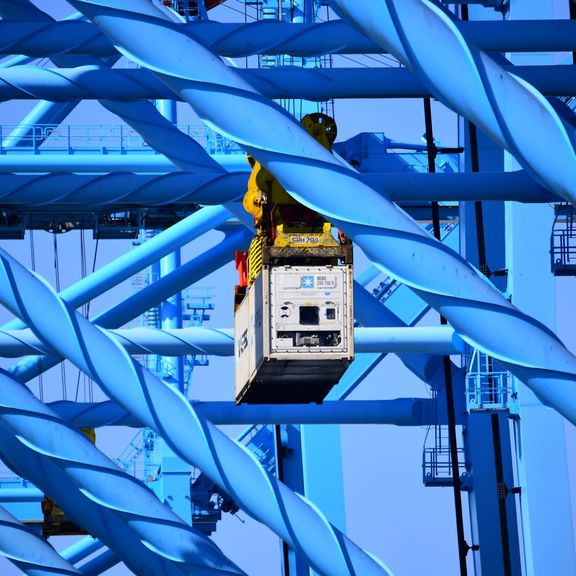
(437, 465)
(103, 138)
(489, 387)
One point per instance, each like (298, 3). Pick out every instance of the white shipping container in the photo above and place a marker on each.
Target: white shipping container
(294, 334)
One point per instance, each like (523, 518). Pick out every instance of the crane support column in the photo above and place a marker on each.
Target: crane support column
(540, 435)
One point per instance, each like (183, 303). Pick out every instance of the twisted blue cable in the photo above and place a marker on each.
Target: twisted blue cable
(476, 310)
(506, 107)
(233, 39)
(66, 192)
(90, 192)
(142, 116)
(194, 340)
(119, 89)
(220, 341)
(137, 304)
(195, 440)
(142, 256)
(93, 491)
(28, 551)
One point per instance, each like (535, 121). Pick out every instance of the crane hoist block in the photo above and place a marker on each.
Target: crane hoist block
(294, 333)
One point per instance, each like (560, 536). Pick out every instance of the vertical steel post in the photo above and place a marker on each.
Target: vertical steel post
(540, 433)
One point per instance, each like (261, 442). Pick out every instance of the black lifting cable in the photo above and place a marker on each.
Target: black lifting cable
(463, 546)
(280, 476)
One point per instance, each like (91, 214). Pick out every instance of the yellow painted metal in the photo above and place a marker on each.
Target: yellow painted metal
(305, 237)
(263, 188)
(255, 257)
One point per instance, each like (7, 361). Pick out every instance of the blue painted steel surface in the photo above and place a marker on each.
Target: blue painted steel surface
(476, 310)
(100, 564)
(119, 88)
(43, 113)
(174, 484)
(220, 342)
(142, 116)
(22, 9)
(134, 161)
(132, 262)
(150, 296)
(81, 549)
(478, 313)
(190, 436)
(96, 494)
(41, 39)
(484, 92)
(399, 412)
(540, 439)
(495, 506)
(541, 436)
(29, 551)
(20, 495)
(68, 192)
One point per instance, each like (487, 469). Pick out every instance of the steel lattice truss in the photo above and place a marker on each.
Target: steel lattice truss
(439, 56)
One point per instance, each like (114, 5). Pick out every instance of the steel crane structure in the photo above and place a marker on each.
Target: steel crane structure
(460, 250)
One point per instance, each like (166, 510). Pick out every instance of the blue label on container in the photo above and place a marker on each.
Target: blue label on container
(307, 282)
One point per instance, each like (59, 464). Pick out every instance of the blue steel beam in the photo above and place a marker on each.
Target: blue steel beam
(316, 84)
(44, 112)
(132, 262)
(191, 437)
(483, 91)
(68, 192)
(220, 342)
(142, 116)
(428, 367)
(81, 549)
(42, 39)
(96, 494)
(141, 162)
(20, 495)
(100, 564)
(138, 303)
(398, 412)
(400, 311)
(29, 551)
(477, 311)
(88, 193)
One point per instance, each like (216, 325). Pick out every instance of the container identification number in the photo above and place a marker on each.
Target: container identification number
(326, 282)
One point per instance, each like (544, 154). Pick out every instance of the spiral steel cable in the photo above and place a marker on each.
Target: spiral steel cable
(119, 89)
(67, 192)
(220, 342)
(477, 311)
(28, 551)
(485, 93)
(125, 311)
(233, 39)
(73, 192)
(194, 340)
(93, 491)
(195, 440)
(142, 256)
(22, 10)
